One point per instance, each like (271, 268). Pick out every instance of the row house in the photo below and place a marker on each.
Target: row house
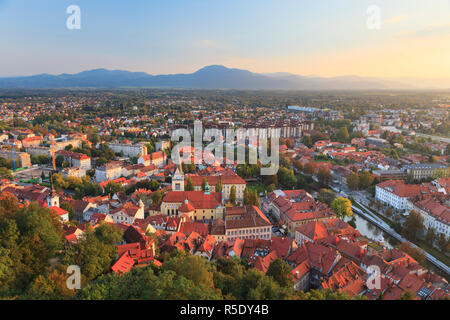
(32, 141)
(246, 222)
(128, 213)
(396, 193)
(158, 159)
(435, 214)
(109, 171)
(128, 149)
(75, 159)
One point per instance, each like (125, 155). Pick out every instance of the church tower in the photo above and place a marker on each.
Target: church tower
(178, 180)
(53, 200)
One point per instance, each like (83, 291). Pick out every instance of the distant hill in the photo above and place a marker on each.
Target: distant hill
(210, 77)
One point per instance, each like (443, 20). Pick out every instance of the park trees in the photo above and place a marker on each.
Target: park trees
(287, 178)
(342, 207)
(413, 226)
(324, 176)
(5, 173)
(365, 180)
(326, 196)
(233, 195)
(353, 181)
(189, 185)
(280, 271)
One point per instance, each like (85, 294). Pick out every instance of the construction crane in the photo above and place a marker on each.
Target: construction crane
(53, 163)
(31, 170)
(53, 154)
(14, 159)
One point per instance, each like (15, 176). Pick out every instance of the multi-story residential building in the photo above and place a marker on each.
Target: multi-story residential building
(197, 205)
(435, 214)
(109, 171)
(246, 222)
(61, 145)
(23, 159)
(75, 159)
(162, 145)
(32, 141)
(384, 175)
(420, 171)
(156, 158)
(128, 213)
(73, 172)
(228, 181)
(129, 150)
(316, 230)
(396, 193)
(296, 207)
(37, 151)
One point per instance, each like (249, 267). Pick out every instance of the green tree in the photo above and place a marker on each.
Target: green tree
(247, 197)
(156, 197)
(281, 272)
(342, 135)
(443, 243)
(287, 178)
(365, 180)
(219, 186)
(324, 176)
(204, 181)
(69, 208)
(353, 181)
(413, 226)
(5, 173)
(191, 267)
(342, 207)
(431, 236)
(326, 196)
(233, 195)
(59, 160)
(189, 185)
(113, 187)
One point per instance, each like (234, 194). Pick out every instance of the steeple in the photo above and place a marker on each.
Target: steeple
(206, 188)
(178, 180)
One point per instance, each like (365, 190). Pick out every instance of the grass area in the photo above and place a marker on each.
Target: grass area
(375, 246)
(433, 251)
(259, 187)
(386, 220)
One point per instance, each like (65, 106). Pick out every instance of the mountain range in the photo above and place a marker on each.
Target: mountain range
(210, 77)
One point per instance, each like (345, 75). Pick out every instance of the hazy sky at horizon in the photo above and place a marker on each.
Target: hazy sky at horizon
(321, 37)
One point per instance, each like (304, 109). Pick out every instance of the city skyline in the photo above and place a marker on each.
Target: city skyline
(324, 39)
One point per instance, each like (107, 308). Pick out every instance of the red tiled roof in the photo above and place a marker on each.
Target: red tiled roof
(123, 264)
(198, 199)
(58, 210)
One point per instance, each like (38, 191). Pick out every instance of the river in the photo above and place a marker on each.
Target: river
(372, 232)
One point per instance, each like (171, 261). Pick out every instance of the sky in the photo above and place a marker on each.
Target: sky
(322, 37)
